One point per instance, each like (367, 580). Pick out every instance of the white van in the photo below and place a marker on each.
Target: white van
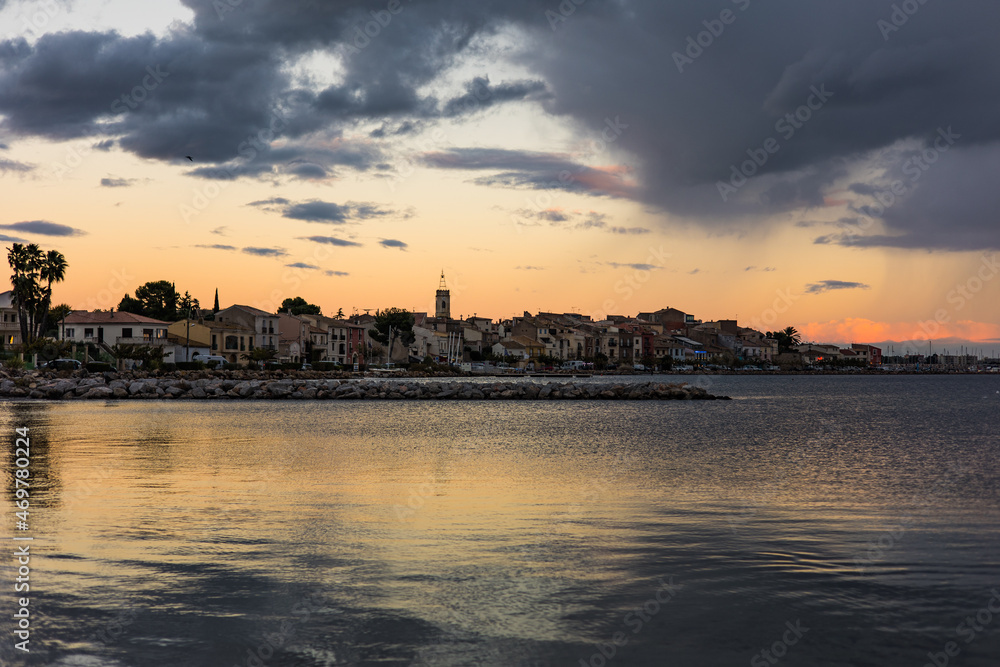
(212, 361)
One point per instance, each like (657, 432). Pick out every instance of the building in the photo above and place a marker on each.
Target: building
(869, 353)
(442, 300)
(10, 327)
(264, 325)
(232, 341)
(111, 328)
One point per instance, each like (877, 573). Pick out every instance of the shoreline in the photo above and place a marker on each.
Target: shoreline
(99, 387)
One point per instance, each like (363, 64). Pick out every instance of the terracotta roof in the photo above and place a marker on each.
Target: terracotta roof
(101, 317)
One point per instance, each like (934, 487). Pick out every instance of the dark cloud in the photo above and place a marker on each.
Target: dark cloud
(301, 265)
(572, 220)
(393, 243)
(326, 212)
(481, 95)
(117, 182)
(612, 71)
(330, 240)
(44, 228)
(265, 252)
(637, 267)
(533, 170)
(828, 285)
(317, 211)
(217, 246)
(14, 165)
(336, 273)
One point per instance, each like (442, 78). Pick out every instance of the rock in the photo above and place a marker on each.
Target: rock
(99, 391)
(136, 388)
(199, 392)
(119, 392)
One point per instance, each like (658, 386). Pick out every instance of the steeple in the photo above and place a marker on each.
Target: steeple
(442, 300)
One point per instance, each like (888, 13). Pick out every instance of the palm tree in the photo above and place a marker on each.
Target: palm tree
(787, 338)
(792, 336)
(25, 261)
(52, 270)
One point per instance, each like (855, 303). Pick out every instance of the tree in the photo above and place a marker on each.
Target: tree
(299, 306)
(158, 299)
(340, 314)
(399, 321)
(186, 304)
(260, 355)
(215, 308)
(58, 313)
(35, 272)
(787, 338)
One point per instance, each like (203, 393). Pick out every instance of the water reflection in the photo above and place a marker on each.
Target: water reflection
(516, 533)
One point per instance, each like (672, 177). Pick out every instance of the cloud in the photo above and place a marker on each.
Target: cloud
(301, 265)
(766, 269)
(530, 268)
(828, 285)
(534, 170)
(629, 230)
(221, 231)
(336, 273)
(393, 243)
(326, 212)
(265, 252)
(861, 330)
(481, 95)
(117, 182)
(637, 267)
(607, 75)
(330, 240)
(217, 246)
(14, 166)
(44, 228)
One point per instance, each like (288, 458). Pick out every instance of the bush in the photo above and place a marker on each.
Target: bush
(231, 367)
(13, 364)
(190, 366)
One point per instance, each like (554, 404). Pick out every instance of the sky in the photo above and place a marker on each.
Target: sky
(828, 166)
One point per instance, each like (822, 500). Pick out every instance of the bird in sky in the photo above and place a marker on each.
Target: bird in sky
(189, 157)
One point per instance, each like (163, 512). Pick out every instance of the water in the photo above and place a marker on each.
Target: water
(862, 512)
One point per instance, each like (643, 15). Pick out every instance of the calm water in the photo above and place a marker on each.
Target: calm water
(862, 512)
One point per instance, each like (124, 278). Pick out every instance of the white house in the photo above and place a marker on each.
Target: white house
(82, 326)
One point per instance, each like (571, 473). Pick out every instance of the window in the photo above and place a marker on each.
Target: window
(126, 333)
(243, 345)
(147, 334)
(231, 342)
(215, 342)
(69, 333)
(88, 332)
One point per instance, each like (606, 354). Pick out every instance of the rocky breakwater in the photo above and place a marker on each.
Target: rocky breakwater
(165, 388)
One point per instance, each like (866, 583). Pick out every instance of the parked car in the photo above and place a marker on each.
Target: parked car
(638, 367)
(307, 367)
(211, 361)
(63, 365)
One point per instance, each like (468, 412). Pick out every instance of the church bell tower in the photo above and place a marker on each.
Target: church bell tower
(442, 305)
